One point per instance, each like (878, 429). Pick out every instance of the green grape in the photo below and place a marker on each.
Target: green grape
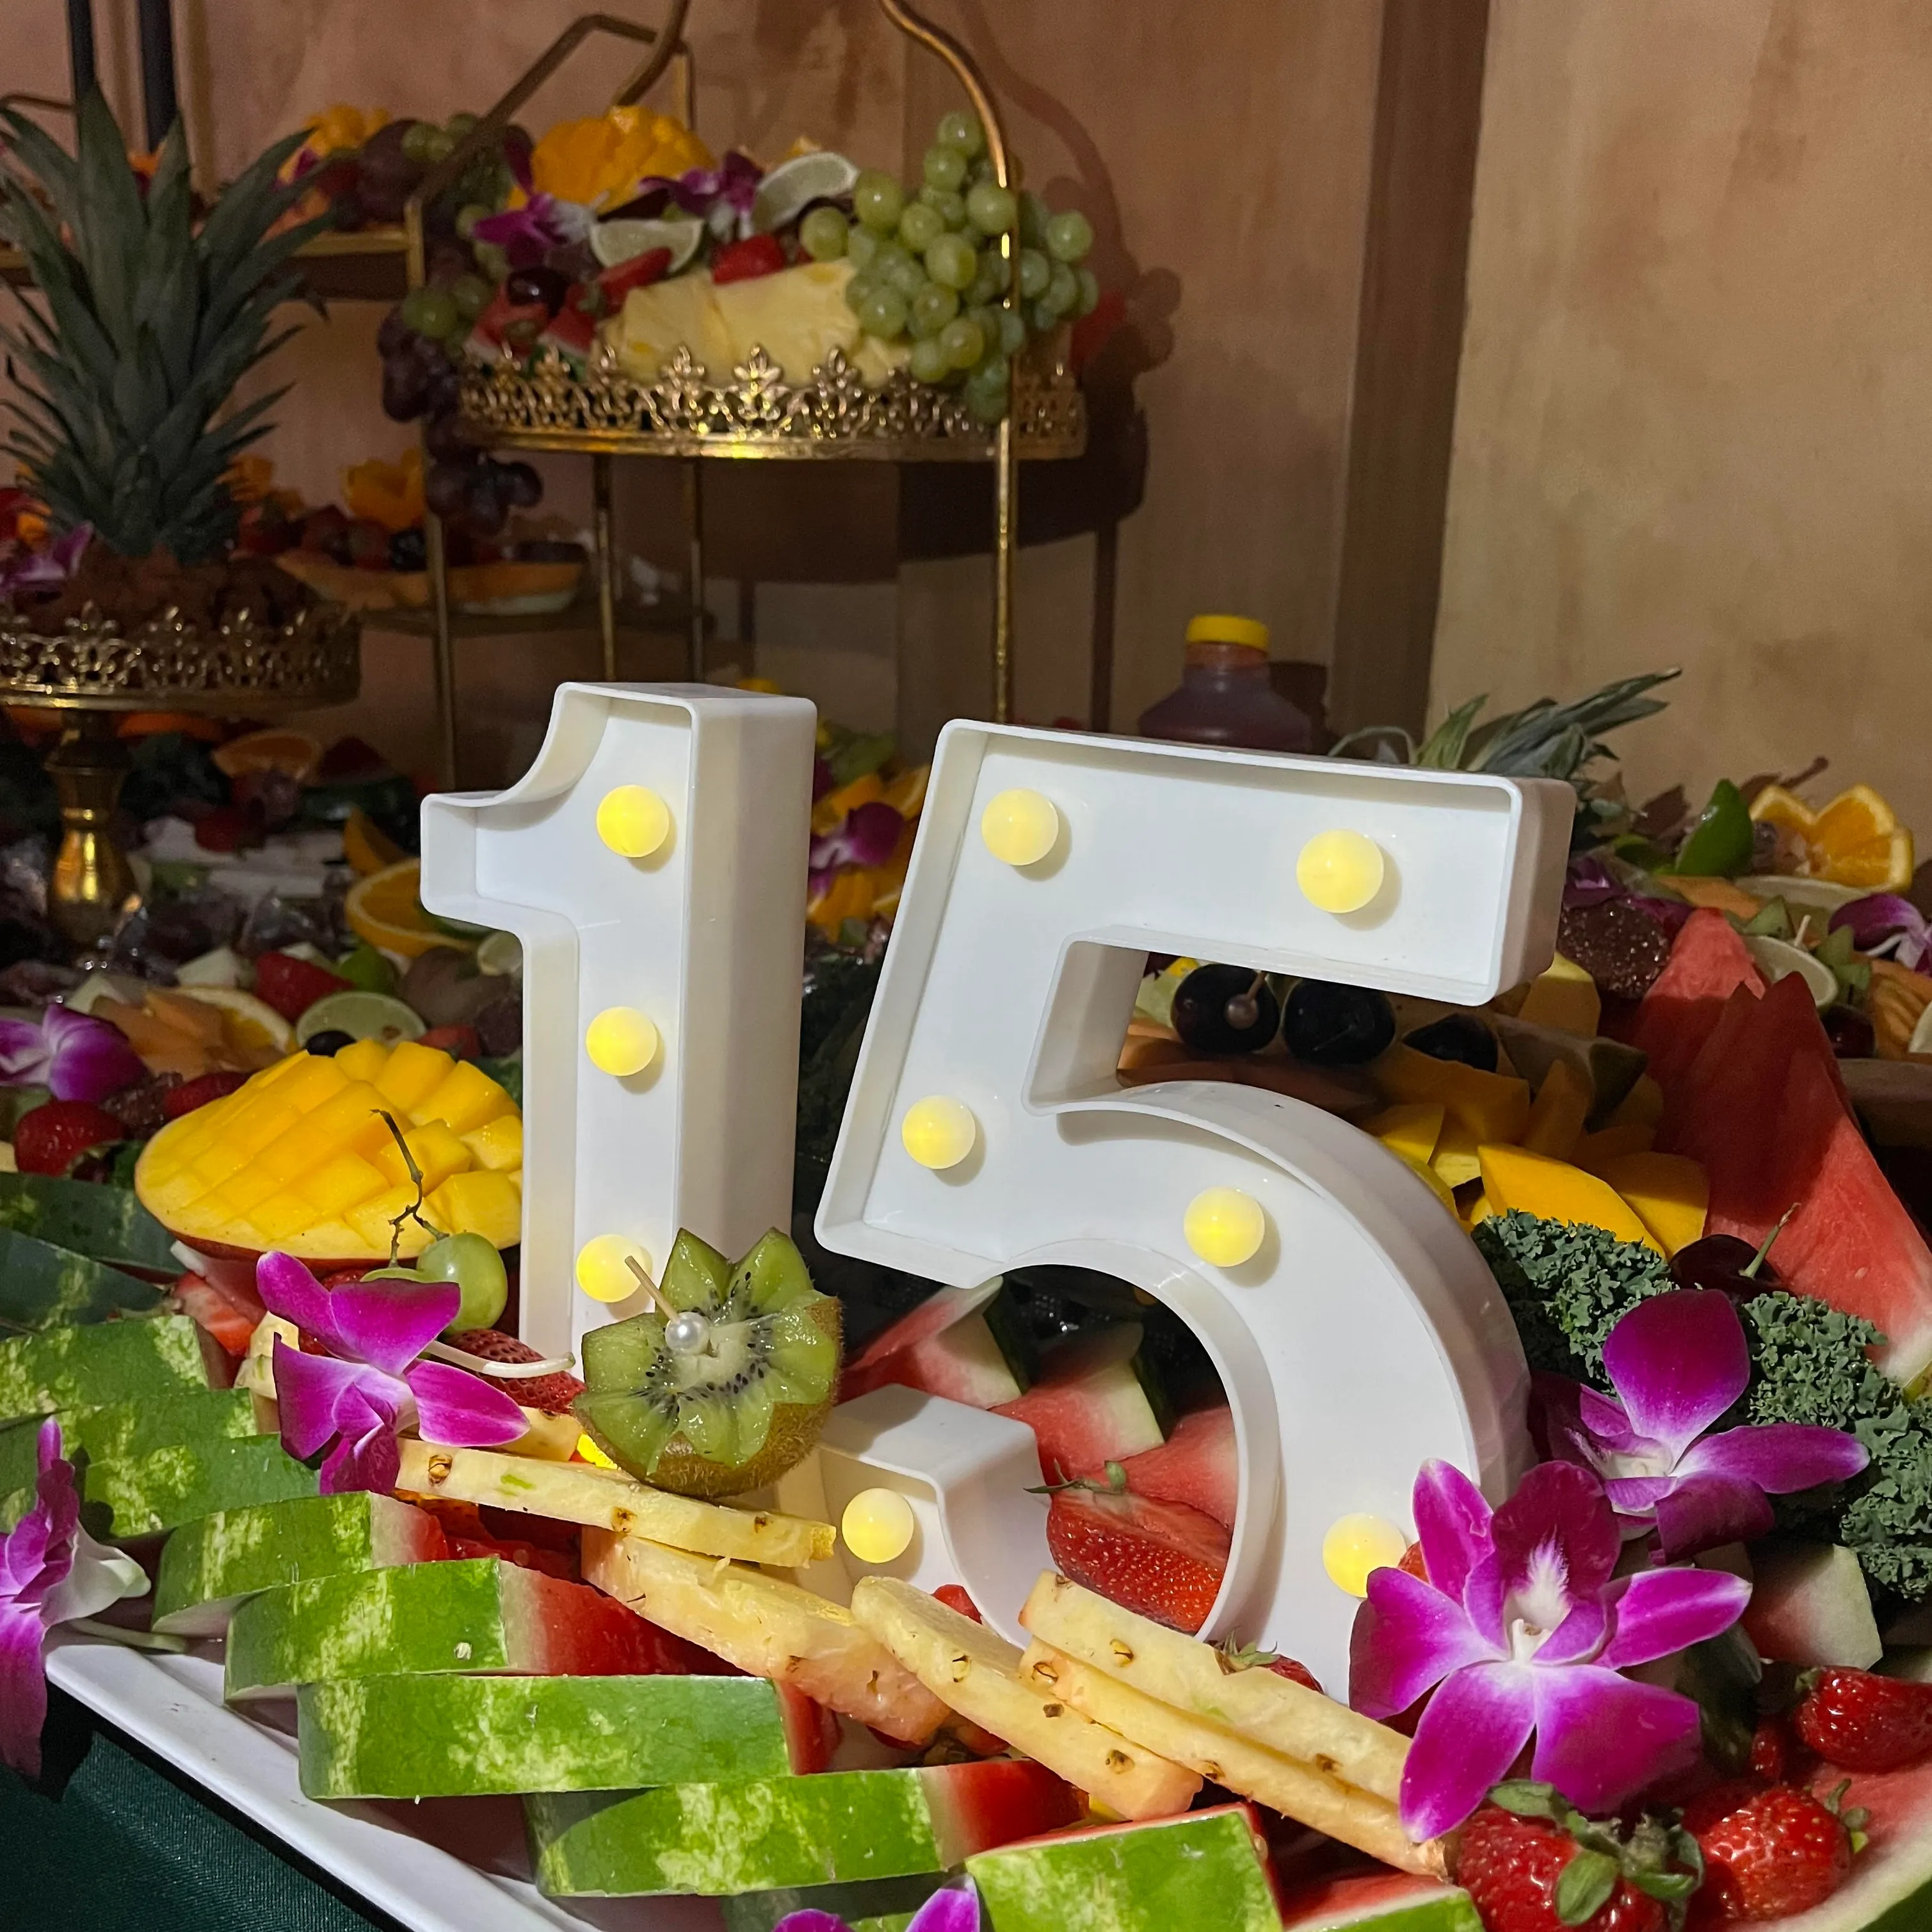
(883, 313)
(986, 400)
(903, 274)
(1012, 331)
(438, 147)
(948, 206)
(430, 312)
(951, 260)
(929, 362)
(983, 170)
(991, 208)
(1062, 290)
(985, 317)
(471, 295)
(1034, 215)
(1036, 271)
(493, 259)
(994, 271)
(458, 125)
(477, 1269)
(877, 199)
(932, 308)
(416, 138)
(996, 372)
(1042, 319)
(1090, 291)
(983, 290)
(943, 167)
(862, 247)
(467, 217)
(964, 341)
(856, 290)
(920, 226)
(822, 234)
(1068, 236)
(961, 131)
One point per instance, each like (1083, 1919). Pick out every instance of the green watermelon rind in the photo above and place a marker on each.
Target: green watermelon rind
(869, 1902)
(44, 1285)
(106, 1224)
(1890, 1889)
(467, 1737)
(145, 1496)
(106, 1362)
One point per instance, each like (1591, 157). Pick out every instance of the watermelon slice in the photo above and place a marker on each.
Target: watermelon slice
(1890, 1889)
(1095, 1404)
(958, 1343)
(1198, 1465)
(1707, 962)
(1378, 1901)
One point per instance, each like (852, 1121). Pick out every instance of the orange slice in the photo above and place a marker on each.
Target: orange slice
(385, 908)
(1881, 865)
(1856, 840)
(367, 846)
(1774, 805)
(249, 1023)
(276, 749)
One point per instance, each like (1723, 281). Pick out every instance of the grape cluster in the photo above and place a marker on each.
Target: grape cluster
(930, 265)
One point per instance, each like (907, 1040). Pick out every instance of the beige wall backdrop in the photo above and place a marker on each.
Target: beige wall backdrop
(1694, 424)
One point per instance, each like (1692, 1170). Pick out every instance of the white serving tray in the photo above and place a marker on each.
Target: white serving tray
(442, 1865)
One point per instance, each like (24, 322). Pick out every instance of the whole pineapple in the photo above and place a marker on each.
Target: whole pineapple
(148, 317)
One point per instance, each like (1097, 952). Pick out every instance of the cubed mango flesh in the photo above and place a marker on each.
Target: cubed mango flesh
(436, 1152)
(1411, 1130)
(411, 1073)
(498, 1145)
(341, 1181)
(1596, 1151)
(466, 1099)
(1517, 1181)
(1454, 1159)
(481, 1203)
(363, 1059)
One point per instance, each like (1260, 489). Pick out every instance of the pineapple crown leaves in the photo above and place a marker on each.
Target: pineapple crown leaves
(1658, 1857)
(148, 323)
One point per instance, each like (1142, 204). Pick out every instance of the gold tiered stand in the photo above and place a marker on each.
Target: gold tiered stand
(89, 671)
(685, 414)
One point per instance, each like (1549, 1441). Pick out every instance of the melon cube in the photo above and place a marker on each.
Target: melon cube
(480, 1203)
(436, 1152)
(1411, 1130)
(340, 1183)
(1492, 1106)
(498, 1145)
(412, 1072)
(363, 1060)
(466, 1099)
(1454, 1159)
(1564, 997)
(1556, 1116)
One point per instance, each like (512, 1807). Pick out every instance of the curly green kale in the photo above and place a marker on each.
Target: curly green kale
(1567, 1287)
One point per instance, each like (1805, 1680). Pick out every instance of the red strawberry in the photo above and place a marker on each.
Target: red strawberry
(1163, 1560)
(1511, 1865)
(192, 1094)
(292, 985)
(954, 1597)
(1249, 1657)
(459, 1042)
(1861, 1722)
(1776, 1755)
(1413, 1561)
(51, 1137)
(552, 1393)
(740, 261)
(1770, 1851)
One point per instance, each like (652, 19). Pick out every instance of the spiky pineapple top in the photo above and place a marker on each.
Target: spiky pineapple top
(147, 321)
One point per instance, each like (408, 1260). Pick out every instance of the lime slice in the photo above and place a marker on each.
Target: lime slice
(1777, 958)
(791, 188)
(502, 955)
(368, 968)
(615, 242)
(362, 1016)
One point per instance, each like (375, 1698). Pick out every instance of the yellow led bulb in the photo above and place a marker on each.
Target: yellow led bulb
(939, 1132)
(1224, 1226)
(620, 1041)
(603, 1269)
(1340, 870)
(1020, 827)
(1357, 1544)
(633, 821)
(878, 1525)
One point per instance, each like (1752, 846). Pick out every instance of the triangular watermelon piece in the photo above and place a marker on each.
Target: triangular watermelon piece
(1707, 962)
(1702, 1107)
(1198, 1465)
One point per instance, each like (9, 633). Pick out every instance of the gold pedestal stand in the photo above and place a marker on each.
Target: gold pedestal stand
(89, 671)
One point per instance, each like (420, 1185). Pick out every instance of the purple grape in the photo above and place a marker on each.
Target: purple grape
(446, 488)
(444, 441)
(521, 486)
(1850, 1033)
(405, 388)
(1719, 1261)
(486, 512)
(549, 286)
(393, 336)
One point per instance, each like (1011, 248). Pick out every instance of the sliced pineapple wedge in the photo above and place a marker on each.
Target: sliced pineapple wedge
(1284, 1784)
(977, 1673)
(767, 1626)
(607, 1499)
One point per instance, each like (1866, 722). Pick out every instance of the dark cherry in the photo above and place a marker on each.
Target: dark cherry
(1226, 1009)
(526, 287)
(1329, 1025)
(1849, 1032)
(1719, 1261)
(1457, 1036)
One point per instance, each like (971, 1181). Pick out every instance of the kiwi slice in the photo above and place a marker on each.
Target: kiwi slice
(729, 1401)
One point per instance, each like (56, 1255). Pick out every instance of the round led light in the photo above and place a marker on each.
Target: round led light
(878, 1525)
(939, 1132)
(1224, 1226)
(603, 1271)
(620, 1040)
(1020, 826)
(633, 821)
(1356, 1545)
(1340, 870)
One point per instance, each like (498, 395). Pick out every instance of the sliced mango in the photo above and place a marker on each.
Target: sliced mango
(363, 1059)
(1436, 1186)
(1556, 1116)
(1595, 1151)
(1671, 1192)
(1517, 1181)
(435, 1150)
(1642, 1106)
(413, 1073)
(1410, 1130)
(1492, 1106)
(1564, 997)
(1454, 1159)
(480, 1203)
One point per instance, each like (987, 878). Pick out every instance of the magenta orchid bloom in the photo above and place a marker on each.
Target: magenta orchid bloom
(51, 1572)
(74, 1055)
(955, 1909)
(48, 567)
(1885, 924)
(1678, 1362)
(1521, 1631)
(722, 197)
(868, 835)
(370, 1384)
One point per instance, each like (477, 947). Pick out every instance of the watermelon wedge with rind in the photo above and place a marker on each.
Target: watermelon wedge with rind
(144, 1495)
(124, 1429)
(478, 1614)
(841, 1826)
(1707, 962)
(1378, 1901)
(1890, 1888)
(867, 1902)
(209, 1567)
(107, 1224)
(946, 1347)
(1198, 1464)
(43, 1286)
(472, 1737)
(1202, 1871)
(105, 1362)
(1094, 1404)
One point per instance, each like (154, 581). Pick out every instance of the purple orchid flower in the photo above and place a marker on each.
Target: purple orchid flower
(370, 1384)
(74, 1055)
(1885, 924)
(955, 1909)
(47, 568)
(1590, 882)
(51, 1572)
(1522, 1631)
(868, 835)
(721, 196)
(1678, 1362)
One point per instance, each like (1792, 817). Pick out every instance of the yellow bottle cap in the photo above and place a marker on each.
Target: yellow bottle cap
(1226, 630)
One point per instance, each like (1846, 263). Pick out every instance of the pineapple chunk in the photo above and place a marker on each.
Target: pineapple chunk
(1181, 1671)
(1298, 1790)
(604, 1499)
(411, 1072)
(977, 1673)
(766, 1626)
(475, 1203)
(363, 1059)
(466, 1099)
(498, 1145)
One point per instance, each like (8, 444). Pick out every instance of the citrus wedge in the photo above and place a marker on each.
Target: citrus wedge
(792, 186)
(277, 749)
(1774, 805)
(616, 242)
(1854, 818)
(247, 1022)
(1855, 841)
(1881, 865)
(384, 909)
(368, 847)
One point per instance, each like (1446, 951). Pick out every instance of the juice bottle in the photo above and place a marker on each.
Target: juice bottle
(1225, 697)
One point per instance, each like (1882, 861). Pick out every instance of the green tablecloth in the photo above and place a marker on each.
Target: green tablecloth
(111, 1841)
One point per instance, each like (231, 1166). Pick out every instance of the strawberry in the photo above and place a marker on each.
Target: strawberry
(553, 1394)
(1776, 1755)
(459, 1042)
(292, 985)
(1770, 1851)
(639, 272)
(1163, 1560)
(1246, 1656)
(741, 261)
(192, 1094)
(51, 1137)
(954, 1597)
(1532, 1863)
(1414, 1563)
(1861, 1722)
(225, 828)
